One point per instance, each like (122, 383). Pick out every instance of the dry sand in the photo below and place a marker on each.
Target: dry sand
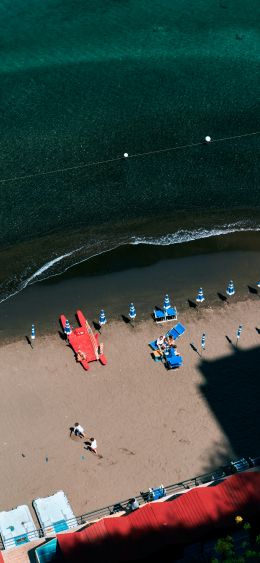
(152, 426)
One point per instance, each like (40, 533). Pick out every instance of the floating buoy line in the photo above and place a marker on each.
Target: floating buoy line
(207, 140)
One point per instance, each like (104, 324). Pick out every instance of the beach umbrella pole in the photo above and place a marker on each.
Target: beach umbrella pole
(32, 335)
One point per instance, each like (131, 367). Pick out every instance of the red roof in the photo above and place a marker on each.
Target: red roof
(177, 522)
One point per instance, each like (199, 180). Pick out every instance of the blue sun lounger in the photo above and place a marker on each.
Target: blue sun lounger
(176, 331)
(161, 316)
(172, 361)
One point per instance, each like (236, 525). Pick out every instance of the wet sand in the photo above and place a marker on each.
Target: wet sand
(152, 426)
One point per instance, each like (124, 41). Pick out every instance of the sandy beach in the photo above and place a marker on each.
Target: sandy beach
(152, 426)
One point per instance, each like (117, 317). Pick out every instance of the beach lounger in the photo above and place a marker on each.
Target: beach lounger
(54, 513)
(17, 527)
(240, 465)
(176, 331)
(161, 316)
(172, 360)
(156, 494)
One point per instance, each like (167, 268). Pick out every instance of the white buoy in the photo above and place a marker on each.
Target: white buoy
(208, 139)
(125, 154)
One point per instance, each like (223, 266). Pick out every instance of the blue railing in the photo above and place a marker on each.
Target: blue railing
(216, 476)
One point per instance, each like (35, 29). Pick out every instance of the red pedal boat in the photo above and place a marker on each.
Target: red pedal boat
(84, 342)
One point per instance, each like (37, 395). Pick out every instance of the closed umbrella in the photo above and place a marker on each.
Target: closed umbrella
(203, 341)
(132, 312)
(102, 318)
(32, 335)
(200, 297)
(67, 328)
(258, 284)
(166, 303)
(230, 289)
(239, 330)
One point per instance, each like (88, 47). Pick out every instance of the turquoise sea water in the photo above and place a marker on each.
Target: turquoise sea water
(89, 80)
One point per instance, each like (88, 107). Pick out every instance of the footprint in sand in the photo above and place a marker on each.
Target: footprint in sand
(182, 441)
(128, 452)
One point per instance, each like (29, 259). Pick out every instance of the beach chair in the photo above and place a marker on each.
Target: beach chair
(161, 316)
(176, 331)
(254, 461)
(172, 361)
(240, 465)
(157, 356)
(156, 494)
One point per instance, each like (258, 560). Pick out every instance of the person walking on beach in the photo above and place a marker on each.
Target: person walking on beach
(93, 445)
(78, 430)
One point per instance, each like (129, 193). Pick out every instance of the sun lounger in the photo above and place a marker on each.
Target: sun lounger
(161, 316)
(240, 465)
(54, 513)
(156, 494)
(17, 527)
(172, 360)
(176, 331)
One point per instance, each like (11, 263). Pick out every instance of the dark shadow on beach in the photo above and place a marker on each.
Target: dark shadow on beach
(96, 326)
(125, 319)
(252, 290)
(192, 304)
(232, 390)
(62, 335)
(230, 342)
(222, 297)
(193, 347)
(257, 330)
(28, 340)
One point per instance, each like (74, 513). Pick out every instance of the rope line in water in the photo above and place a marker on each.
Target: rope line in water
(136, 155)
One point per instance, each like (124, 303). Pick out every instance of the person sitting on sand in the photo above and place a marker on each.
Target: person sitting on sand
(78, 430)
(161, 343)
(170, 341)
(81, 356)
(174, 347)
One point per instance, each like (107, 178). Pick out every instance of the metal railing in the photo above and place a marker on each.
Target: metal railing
(213, 477)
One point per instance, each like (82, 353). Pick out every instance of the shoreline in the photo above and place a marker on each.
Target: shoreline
(142, 276)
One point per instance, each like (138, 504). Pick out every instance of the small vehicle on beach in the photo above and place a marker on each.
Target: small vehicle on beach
(83, 341)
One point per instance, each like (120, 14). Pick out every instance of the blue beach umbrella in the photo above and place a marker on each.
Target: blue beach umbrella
(166, 303)
(132, 312)
(102, 317)
(230, 289)
(67, 328)
(33, 333)
(200, 297)
(239, 330)
(258, 284)
(203, 341)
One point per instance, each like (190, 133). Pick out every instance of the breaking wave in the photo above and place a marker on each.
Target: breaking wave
(60, 264)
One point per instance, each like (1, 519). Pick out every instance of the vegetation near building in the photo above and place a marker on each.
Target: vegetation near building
(242, 549)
